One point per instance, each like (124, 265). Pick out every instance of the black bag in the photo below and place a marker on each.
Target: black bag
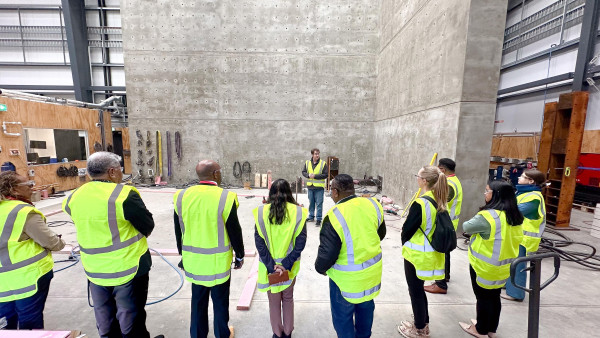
(444, 236)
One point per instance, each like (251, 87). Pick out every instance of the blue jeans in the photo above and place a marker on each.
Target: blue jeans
(520, 278)
(342, 312)
(28, 313)
(315, 196)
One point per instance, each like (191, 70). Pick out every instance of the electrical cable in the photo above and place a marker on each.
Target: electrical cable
(237, 170)
(73, 257)
(53, 224)
(181, 279)
(178, 145)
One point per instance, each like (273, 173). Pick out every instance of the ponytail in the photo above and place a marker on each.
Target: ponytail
(440, 192)
(436, 181)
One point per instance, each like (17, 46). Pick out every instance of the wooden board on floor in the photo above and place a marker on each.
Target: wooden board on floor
(248, 291)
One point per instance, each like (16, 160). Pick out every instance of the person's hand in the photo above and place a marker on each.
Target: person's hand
(279, 269)
(311, 175)
(238, 263)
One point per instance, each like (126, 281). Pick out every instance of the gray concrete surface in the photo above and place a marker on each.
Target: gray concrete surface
(257, 81)
(438, 70)
(569, 305)
(371, 82)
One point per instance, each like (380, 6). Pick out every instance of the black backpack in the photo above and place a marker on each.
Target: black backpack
(444, 236)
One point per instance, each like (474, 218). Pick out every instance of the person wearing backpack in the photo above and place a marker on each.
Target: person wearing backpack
(531, 204)
(496, 233)
(421, 261)
(455, 197)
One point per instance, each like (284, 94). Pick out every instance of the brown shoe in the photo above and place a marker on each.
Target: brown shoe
(434, 288)
(231, 333)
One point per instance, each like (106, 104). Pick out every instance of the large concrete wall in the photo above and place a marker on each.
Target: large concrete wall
(438, 69)
(258, 81)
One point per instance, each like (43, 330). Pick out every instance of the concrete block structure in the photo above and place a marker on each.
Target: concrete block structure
(381, 85)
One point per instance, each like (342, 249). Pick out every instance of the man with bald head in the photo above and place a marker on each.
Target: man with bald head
(206, 230)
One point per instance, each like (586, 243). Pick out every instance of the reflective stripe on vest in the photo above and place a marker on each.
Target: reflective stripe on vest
(67, 208)
(350, 249)
(106, 275)
(454, 202)
(208, 278)
(543, 224)
(490, 282)
(113, 227)
(263, 228)
(378, 211)
(7, 264)
(430, 273)
(319, 170)
(362, 293)
(18, 292)
(426, 247)
(497, 246)
(221, 248)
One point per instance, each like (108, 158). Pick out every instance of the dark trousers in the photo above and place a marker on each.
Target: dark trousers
(418, 299)
(119, 310)
(220, 299)
(28, 313)
(442, 283)
(488, 306)
(350, 320)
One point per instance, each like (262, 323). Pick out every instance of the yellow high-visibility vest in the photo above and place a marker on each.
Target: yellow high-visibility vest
(357, 271)
(280, 239)
(455, 204)
(491, 258)
(428, 263)
(533, 229)
(203, 211)
(317, 171)
(110, 245)
(21, 263)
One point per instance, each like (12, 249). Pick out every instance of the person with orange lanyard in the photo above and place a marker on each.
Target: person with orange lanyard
(531, 205)
(25, 259)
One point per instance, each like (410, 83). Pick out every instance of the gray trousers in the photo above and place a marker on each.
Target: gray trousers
(283, 300)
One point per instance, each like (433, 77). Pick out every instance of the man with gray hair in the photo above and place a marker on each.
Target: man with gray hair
(112, 224)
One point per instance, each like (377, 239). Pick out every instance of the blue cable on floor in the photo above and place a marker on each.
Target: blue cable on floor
(73, 257)
(180, 279)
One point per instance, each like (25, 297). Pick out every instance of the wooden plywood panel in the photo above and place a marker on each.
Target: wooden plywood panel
(591, 142)
(51, 116)
(550, 111)
(521, 147)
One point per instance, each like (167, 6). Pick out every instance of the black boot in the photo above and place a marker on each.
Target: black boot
(276, 336)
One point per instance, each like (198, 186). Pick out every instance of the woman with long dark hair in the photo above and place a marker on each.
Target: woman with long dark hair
(531, 204)
(280, 237)
(496, 233)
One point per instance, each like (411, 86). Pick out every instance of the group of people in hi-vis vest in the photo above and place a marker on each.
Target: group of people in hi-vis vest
(113, 223)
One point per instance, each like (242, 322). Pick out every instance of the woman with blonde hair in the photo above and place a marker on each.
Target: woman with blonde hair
(421, 261)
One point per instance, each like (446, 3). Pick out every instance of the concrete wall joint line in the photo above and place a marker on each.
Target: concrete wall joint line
(401, 29)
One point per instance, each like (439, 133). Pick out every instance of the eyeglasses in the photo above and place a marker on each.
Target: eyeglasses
(487, 192)
(525, 177)
(28, 184)
(416, 175)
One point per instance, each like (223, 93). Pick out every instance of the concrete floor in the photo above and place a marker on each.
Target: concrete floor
(569, 306)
